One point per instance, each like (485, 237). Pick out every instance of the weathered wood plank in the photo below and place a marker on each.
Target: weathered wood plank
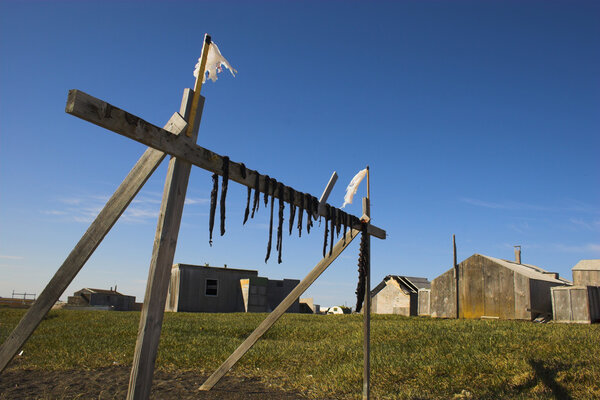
(279, 310)
(165, 244)
(100, 113)
(105, 220)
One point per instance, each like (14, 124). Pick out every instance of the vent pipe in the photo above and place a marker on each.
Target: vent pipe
(517, 254)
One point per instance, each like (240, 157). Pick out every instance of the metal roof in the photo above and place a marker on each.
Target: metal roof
(530, 271)
(587, 265)
(408, 284)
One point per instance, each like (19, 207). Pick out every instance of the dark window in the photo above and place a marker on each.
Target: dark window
(212, 286)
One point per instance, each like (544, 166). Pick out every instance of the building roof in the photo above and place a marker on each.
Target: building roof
(530, 271)
(408, 284)
(587, 265)
(102, 291)
(225, 268)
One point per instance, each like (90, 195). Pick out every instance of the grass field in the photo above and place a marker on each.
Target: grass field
(321, 356)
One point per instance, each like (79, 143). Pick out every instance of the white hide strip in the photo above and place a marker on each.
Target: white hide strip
(214, 64)
(353, 187)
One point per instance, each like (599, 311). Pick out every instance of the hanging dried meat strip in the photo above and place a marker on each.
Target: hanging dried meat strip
(308, 206)
(224, 185)
(338, 221)
(300, 212)
(332, 229)
(292, 202)
(280, 225)
(247, 211)
(256, 193)
(326, 230)
(363, 268)
(344, 218)
(267, 184)
(213, 206)
(267, 189)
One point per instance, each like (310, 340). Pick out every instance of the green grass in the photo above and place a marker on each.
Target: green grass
(411, 358)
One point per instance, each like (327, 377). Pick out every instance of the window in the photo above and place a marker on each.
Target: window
(212, 286)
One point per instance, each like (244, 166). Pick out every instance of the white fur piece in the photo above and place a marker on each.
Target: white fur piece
(353, 186)
(214, 64)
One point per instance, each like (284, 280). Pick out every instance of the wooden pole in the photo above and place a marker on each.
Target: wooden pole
(279, 310)
(165, 243)
(367, 307)
(456, 276)
(198, 85)
(91, 239)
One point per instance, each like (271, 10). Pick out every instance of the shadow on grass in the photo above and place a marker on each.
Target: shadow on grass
(546, 375)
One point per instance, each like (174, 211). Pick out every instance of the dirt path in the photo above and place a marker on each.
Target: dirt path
(111, 383)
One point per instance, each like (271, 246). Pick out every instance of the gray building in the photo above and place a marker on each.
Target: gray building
(397, 295)
(491, 287)
(111, 299)
(587, 273)
(196, 288)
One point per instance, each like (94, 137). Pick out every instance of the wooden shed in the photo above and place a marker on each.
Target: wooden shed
(491, 287)
(586, 273)
(576, 304)
(398, 295)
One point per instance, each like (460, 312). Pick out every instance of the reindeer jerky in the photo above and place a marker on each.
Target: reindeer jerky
(300, 212)
(326, 230)
(267, 179)
(213, 206)
(308, 207)
(247, 211)
(292, 193)
(363, 268)
(280, 225)
(338, 221)
(332, 229)
(267, 189)
(256, 194)
(224, 192)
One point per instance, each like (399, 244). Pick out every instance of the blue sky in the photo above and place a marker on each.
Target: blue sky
(479, 119)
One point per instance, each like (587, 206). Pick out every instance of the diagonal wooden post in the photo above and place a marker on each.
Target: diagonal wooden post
(165, 243)
(279, 310)
(92, 238)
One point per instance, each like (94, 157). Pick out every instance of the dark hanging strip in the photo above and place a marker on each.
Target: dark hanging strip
(267, 182)
(224, 185)
(345, 223)
(300, 212)
(362, 268)
(308, 207)
(280, 225)
(332, 229)
(292, 193)
(256, 194)
(338, 221)
(213, 206)
(326, 230)
(267, 189)
(247, 211)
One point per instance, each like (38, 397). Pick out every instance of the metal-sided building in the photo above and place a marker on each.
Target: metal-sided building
(579, 303)
(397, 295)
(111, 299)
(196, 288)
(491, 287)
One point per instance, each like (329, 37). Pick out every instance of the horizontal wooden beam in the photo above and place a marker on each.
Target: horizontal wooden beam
(100, 113)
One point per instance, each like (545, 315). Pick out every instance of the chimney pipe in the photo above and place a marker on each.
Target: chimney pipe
(517, 254)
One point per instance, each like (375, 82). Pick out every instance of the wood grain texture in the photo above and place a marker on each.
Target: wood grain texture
(279, 310)
(100, 113)
(82, 251)
(159, 276)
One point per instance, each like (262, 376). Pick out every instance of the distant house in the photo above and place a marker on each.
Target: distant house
(398, 295)
(196, 288)
(491, 287)
(579, 303)
(110, 299)
(307, 306)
